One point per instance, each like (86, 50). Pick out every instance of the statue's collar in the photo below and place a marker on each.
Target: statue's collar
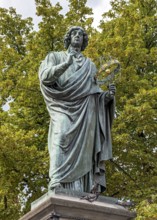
(77, 55)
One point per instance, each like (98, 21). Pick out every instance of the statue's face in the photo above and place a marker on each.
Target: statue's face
(77, 38)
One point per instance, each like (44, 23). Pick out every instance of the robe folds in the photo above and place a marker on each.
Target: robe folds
(81, 115)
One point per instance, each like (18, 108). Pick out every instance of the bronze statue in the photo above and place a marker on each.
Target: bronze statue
(81, 115)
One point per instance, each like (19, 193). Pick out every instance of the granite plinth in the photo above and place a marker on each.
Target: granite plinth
(66, 205)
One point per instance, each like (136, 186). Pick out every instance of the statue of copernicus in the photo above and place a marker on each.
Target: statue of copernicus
(81, 115)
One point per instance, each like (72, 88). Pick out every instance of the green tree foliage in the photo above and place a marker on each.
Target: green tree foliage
(147, 209)
(22, 169)
(51, 28)
(128, 33)
(20, 156)
(80, 13)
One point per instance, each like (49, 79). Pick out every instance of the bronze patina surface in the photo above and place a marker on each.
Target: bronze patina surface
(81, 115)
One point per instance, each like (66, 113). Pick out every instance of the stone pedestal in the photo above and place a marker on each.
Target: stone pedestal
(66, 205)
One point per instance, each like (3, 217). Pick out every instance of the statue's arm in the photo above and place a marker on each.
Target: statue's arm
(49, 72)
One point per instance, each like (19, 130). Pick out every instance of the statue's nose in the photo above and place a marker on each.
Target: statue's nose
(77, 34)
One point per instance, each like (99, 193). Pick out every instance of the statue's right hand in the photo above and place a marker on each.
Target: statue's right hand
(69, 60)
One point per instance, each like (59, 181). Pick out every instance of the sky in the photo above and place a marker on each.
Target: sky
(27, 8)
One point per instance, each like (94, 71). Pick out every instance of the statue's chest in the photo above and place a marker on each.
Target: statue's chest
(72, 70)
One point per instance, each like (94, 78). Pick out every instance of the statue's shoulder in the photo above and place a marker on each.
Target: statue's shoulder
(92, 63)
(57, 53)
(55, 57)
(93, 66)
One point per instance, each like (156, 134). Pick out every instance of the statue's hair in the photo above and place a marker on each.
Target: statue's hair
(67, 37)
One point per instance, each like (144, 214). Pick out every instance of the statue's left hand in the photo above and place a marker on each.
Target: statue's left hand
(112, 89)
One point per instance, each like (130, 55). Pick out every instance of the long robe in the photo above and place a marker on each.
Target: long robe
(81, 115)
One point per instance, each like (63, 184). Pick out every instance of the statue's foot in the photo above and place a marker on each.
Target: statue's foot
(91, 198)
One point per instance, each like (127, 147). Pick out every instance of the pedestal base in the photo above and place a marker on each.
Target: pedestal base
(66, 205)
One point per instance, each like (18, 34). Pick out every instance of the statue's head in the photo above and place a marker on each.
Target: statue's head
(83, 37)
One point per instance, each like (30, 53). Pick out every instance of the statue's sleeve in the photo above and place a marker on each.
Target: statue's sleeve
(49, 71)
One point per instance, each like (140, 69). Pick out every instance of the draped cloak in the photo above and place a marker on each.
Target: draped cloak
(81, 115)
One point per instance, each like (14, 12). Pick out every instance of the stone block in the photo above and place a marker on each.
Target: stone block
(66, 205)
